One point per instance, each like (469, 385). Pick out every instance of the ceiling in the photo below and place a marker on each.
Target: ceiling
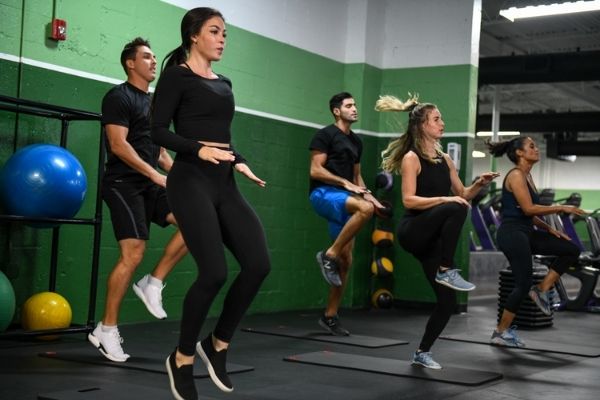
(557, 35)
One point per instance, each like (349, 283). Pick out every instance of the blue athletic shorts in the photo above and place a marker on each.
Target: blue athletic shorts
(330, 203)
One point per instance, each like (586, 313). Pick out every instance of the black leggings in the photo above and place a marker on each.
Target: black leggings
(519, 241)
(211, 212)
(431, 237)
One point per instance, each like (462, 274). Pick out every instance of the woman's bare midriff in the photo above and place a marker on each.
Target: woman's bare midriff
(214, 144)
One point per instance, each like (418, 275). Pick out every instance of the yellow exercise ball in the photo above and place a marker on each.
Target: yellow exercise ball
(382, 266)
(46, 310)
(381, 238)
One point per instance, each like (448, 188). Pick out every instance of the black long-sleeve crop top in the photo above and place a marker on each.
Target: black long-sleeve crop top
(201, 110)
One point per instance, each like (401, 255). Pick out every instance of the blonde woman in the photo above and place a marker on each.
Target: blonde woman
(433, 218)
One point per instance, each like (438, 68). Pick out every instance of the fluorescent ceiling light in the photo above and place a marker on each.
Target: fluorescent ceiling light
(478, 154)
(571, 158)
(501, 133)
(550, 9)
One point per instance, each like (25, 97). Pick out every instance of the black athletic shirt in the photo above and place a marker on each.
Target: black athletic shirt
(432, 181)
(125, 105)
(510, 205)
(201, 110)
(343, 152)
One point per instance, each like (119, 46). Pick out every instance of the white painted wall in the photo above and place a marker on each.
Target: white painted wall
(430, 32)
(382, 33)
(582, 174)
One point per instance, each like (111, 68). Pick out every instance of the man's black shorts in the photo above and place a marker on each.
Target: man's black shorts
(133, 205)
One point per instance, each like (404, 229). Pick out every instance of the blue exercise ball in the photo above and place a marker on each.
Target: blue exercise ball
(7, 302)
(43, 180)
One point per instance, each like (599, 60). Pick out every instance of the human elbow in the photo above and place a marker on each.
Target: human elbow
(407, 202)
(314, 172)
(528, 211)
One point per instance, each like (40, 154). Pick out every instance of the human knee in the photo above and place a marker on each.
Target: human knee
(455, 208)
(132, 253)
(367, 208)
(212, 280)
(364, 209)
(261, 271)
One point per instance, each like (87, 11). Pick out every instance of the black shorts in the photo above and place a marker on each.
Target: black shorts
(133, 205)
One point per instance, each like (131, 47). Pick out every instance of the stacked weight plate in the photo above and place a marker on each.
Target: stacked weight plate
(529, 315)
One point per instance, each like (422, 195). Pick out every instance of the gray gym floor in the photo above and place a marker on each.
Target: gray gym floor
(527, 374)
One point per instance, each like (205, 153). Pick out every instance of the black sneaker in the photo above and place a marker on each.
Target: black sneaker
(181, 380)
(333, 326)
(216, 363)
(329, 269)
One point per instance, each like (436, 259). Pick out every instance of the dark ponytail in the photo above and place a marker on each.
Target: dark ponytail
(510, 147)
(191, 23)
(176, 57)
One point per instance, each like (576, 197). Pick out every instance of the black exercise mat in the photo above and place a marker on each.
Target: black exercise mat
(386, 366)
(534, 345)
(113, 391)
(321, 336)
(145, 362)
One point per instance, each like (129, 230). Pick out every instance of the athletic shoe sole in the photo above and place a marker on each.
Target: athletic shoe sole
(425, 365)
(504, 343)
(140, 293)
(96, 342)
(455, 287)
(211, 370)
(172, 381)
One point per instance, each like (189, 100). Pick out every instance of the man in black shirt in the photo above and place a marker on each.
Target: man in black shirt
(134, 191)
(338, 194)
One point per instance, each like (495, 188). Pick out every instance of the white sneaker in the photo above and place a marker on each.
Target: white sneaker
(151, 295)
(109, 343)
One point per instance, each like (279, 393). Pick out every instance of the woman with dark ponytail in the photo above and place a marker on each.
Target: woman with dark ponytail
(431, 225)
(518, 240)
(204, 197)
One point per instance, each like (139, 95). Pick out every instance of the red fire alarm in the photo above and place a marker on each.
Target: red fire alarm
(59, 29)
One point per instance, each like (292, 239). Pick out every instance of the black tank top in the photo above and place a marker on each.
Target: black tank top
(432, 181)
(510, 205)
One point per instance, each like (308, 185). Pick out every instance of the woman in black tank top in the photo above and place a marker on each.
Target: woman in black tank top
(431, 225)
(518, 240)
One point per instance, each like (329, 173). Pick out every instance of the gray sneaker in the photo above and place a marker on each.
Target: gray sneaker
(333, 326)
(453, 280)
(329, 269)
(507, 338)
(541, 299)
(424, 359)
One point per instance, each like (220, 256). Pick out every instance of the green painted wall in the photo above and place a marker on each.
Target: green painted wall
(294, 232)
(268, 76)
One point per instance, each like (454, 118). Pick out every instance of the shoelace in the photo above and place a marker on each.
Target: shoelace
(426, 357)
(512, 332)
(117, 335)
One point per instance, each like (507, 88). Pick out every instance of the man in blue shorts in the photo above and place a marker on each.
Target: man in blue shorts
(338, 194)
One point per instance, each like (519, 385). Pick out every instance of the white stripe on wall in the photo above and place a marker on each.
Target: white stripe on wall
(244, 110)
